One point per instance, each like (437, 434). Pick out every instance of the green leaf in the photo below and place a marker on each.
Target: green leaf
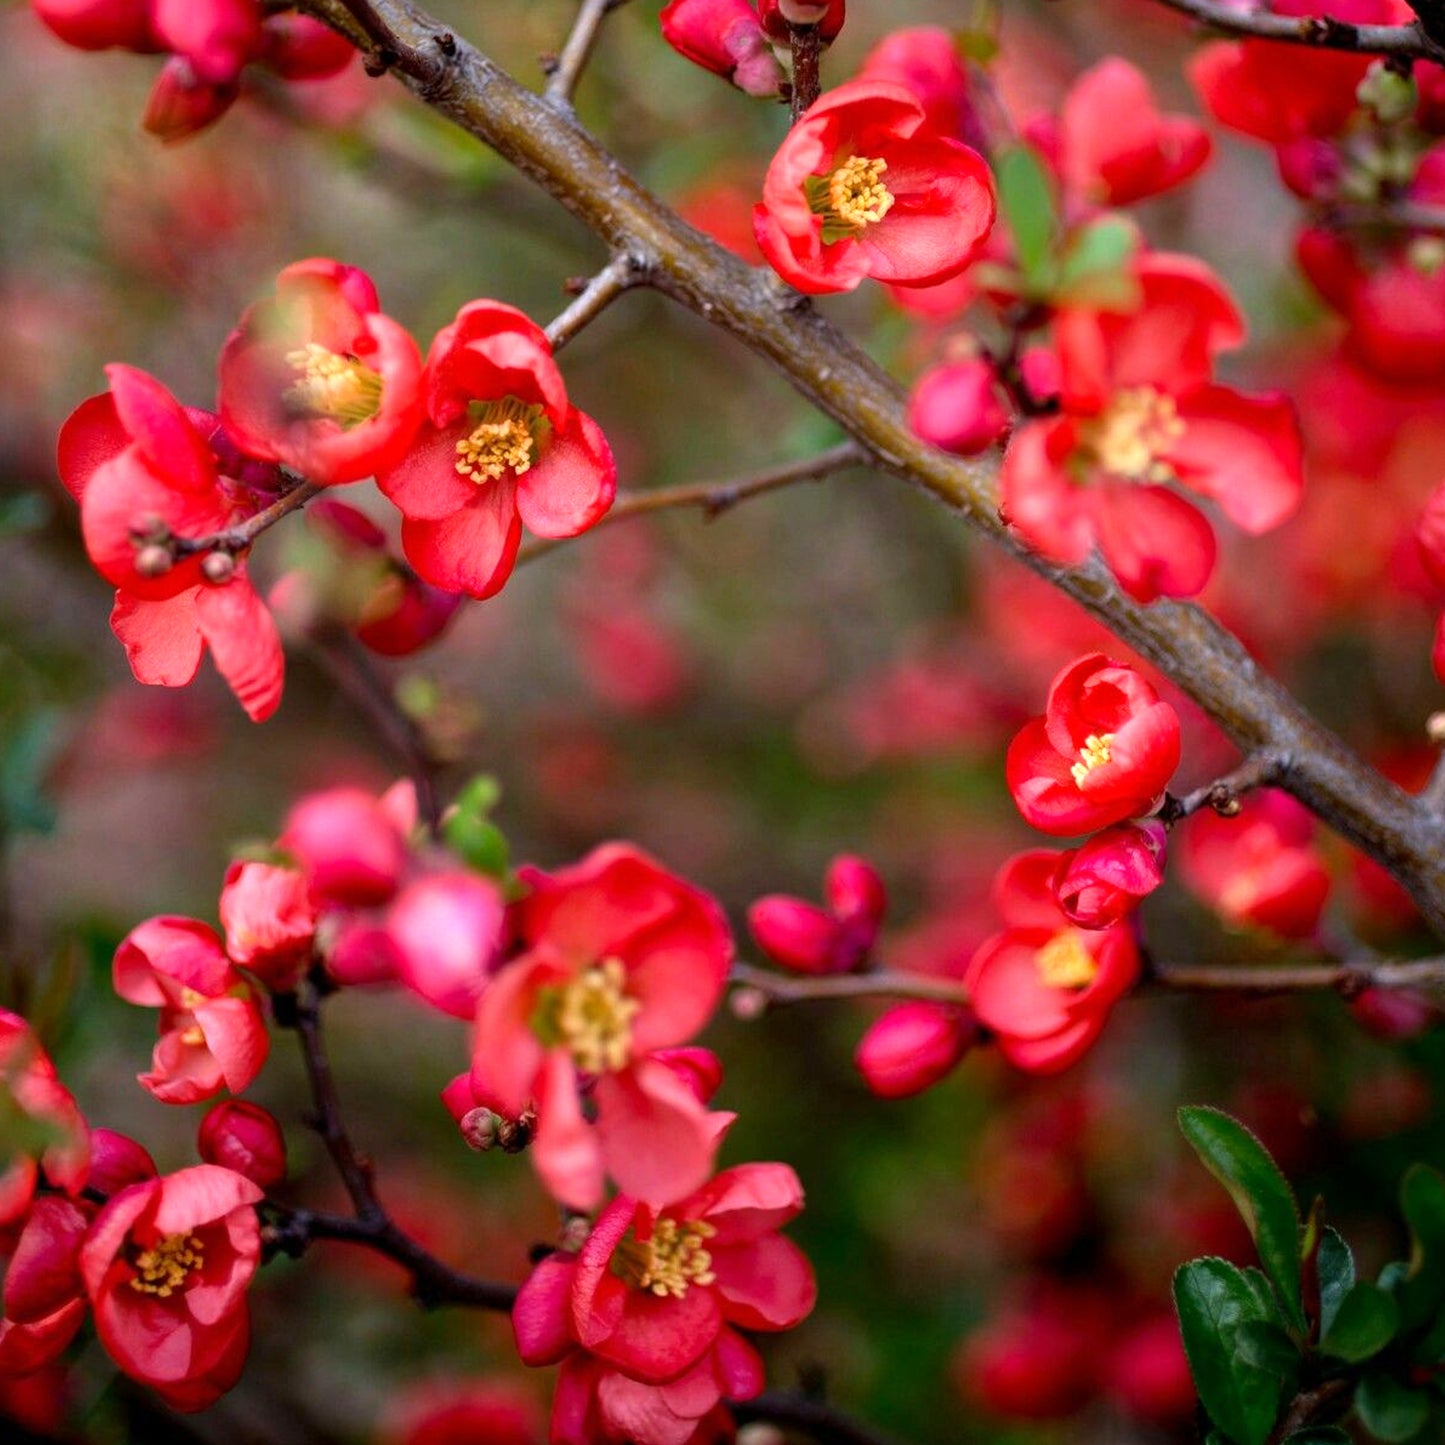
(1260, 1193)
(470, 832)
(1095, 266)
(1242, 1363)
(1336, 1266)
(1364, 1324)
(1420, 1290)
(1389, 1410)
(1027, 201)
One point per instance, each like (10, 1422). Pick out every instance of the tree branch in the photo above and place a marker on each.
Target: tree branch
(714, 498)
(817, 1418)
(1321, 31)
(807, 47)
(235, 540)
(1223, 795)
(567, 70)
(620, 274)
(823, 365)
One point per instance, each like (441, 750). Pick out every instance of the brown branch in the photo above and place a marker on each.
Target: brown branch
(1346, 978)
(1394, 215)
(824, 366)
(1431, 15)
(566, 70)
(1223, 795)
(760, 988)
(822, 1421)
(620, 274)
(1321, 31)
(235, 540)
(807, 47)
(714, 498)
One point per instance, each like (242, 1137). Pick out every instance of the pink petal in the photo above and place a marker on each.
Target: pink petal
(566, 1148)
(473, 550)
(574, 483)
(766, 1285)
(653, 1133)
(245, 645)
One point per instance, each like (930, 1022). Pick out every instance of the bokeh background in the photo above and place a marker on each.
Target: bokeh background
(836, 667)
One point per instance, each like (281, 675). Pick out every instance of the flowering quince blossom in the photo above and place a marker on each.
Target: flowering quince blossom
(725, 37)
(1103, 751)
(860, 187)
(925, 60)
(246, 1139)
(212, 1032)
(1139, 416)
(269, 921)
(1259, 867)
(617, 958)
(350, 844)
(956, 407)
(1430, 535)
(1043, 986)
(446, 932)
(318, 379)
(143, 470)
(461, 1412)
(501, 446)
(911, 1046)
(654, 1299)
(1104, 881)
(43, 1306)
(808, 939)
(780, 16)
(166, 1266)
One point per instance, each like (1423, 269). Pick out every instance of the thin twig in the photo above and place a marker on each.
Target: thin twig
(1223, 795)
(784, 988)
(807, 47)
(1321, 31)
(235, 540)
(567, 70)
(822, 1421)
(1346, 978)
(388, 51)
(620, 274)
(715, 498)
(1395, 215)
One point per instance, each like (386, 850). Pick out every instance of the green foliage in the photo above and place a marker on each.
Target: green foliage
(470, 832)
(1365, 1322)
(1027, 201)
(1335, 1268)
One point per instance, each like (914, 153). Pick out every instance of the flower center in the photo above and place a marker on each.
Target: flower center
(165, 1267)
(339, 388)
(1097, 750)
(1130, 437)
(1064, 962)
(671, 1260)
(851, 198)
(504, 440)
(592, 1017)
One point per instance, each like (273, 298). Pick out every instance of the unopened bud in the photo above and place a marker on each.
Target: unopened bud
(245, 1137)
(1390, 95)
(479, 1128)
(154, 560)
(218, 567)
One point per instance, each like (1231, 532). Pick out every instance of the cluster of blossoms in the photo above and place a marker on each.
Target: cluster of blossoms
(318, 385)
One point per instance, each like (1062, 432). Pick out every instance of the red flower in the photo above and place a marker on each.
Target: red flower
(861, 188)
(1043, 986)
(925, 61)
(1140, 416)
(142, 472)
(809, 939)
(1104, 881)
(446, 932)
(1104, 750)
(725, 37)
(100, 24)
(212, 1031)
(350, 844)
(1259, 867)
(619, 958)
(43, 1306)
(502, 446)
(1430, 535)
(779, 16)
(269, 920)
(166, 1266)
(318, 379)
(956, 406)
(461, 1412)
(912, 1046)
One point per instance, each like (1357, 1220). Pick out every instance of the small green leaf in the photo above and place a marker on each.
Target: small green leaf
(1364, 1324)
(1095, 266)
(1260, 1193)
(1027, 201)
(1420, 1291)
(1242, 1363)
(1336, 1266)
(470, 832)
(1389, 1410)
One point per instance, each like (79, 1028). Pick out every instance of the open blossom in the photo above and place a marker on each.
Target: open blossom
(1104, 750)
(269, 920)
(725, 37)
(317, 378)
(501, 446)
(618, 958)
(445, 931)
(860, 187)
(1139, 418)
(1044, 986)
(925, 60)
(166, 1266)
(801, 936)
(143, 470)
(212, 1031)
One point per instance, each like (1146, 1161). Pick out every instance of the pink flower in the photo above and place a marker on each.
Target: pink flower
(861, 188)
(809, 939)
(351, 845)
(43, 1304)
(318, 379)
(1043, 986)
(618, 958)
(725, 37)
(501, 446)
(446, 930)
(143, 472)
(212, 1031)
(911, 1046)
(1140, 416)
(246, 1139)
(269, 921)
(1103, 881)
(166, 1266)
(1104, 750)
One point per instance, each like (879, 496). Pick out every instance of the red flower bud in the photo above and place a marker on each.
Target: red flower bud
(809, 939)
(724, 36)
(913, 1046)
(181, 103)
(779, 16)
(956, 407)
(116, 1161)
(1104, 880)
(246, 1138)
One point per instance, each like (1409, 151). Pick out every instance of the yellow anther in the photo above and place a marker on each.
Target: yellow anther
(166, 1266)
(850, 198)
(504, 440)
(340, 388)
(1132, 434)
(1064, 962)
(593, 1017)
(668, 1262)
(1096, 751)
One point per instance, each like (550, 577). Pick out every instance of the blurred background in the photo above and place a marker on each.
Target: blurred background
(836, 667)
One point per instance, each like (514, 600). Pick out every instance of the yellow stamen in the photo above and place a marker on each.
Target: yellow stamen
(1097, 750)
(504, 440)
(1064, 962)
(670, 1261)
(593, 1017)
(1130, 436)
(340, 388)
(850, 198)
(166, 1266)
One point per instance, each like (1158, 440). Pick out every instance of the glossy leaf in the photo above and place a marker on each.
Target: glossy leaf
(1364, 1323)
(1389, 1410)
(1027, 201)
(1336, 1267)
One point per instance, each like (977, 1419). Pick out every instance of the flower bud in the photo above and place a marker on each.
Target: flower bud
(246, 1138)
(116, 1161)
(1104, 880)
(100, 24)
(218, 567)
(854, 891)
(779, 16)
(269, 920)
(297, 47)
(351, 850)
(479, 1128)
(724, 36)
(913, 1046)
(795, 934)
(448, 934)
(181, 103)
(154, 561)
